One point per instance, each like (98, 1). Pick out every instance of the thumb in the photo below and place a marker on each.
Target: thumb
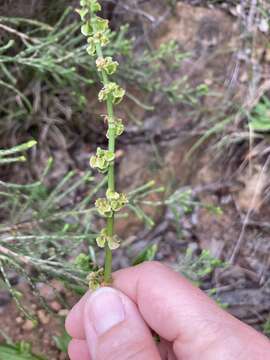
(114, 328)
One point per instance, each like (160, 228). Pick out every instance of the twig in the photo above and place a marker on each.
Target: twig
(22, 36)
(246, 220)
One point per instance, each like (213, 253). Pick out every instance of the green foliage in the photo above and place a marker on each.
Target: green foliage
(44, 226)
(260, 116)
(15, 150)
(266, 327)
(83, 262)
(196, 268)
(20, 351)
(62, 341)
(48, 224)
(38, 62)
(147, 254)
(183, 202)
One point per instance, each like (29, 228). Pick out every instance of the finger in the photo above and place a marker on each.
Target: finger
(74, 321)
(114, 328)
(78, 350)
(165, 350)
(180, 312)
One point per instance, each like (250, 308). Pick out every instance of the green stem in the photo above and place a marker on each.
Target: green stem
(111, 175)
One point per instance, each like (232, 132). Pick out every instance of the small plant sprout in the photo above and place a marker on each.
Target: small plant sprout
(97, 32)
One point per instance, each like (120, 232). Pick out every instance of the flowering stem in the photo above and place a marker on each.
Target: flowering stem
(97, 32)
(111, 174)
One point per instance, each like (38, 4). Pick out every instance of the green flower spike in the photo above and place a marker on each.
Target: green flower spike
(112, 91)
(107, 64)
(102, 160)
(104, 207)
(97, 32)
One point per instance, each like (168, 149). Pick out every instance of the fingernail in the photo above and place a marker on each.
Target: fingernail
(105, 309)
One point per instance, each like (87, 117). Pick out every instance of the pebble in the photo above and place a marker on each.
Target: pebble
(54, 305)
(28, 325)
(19, 320)
(63, 312)
(5, 297)
(43, 317)
(46, 291)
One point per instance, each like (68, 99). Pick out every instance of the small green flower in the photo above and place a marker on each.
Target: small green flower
(91, 5)
(107, 64)
(102, 160)
(91, 48)
(95, 6)
(101, 25)
(101, 38)
(83, 13)
(118, 204)
(118, 127)
(102, 238)
(112, 241)
(87, 29)
(112, 195)
(104, 207)
(82, 262)
(113, 91)
(95, 279)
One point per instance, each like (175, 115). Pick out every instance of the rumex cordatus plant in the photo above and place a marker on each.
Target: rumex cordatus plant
(97, 31)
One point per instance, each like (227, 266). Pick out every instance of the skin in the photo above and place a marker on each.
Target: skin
(190, 325)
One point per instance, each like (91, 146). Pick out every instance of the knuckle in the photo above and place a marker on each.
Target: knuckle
(153, 266)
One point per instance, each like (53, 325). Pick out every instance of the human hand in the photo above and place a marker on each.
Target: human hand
(114, 324)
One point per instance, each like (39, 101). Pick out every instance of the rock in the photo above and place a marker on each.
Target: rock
(13, 278)
(63, 312)
(19, 320)
(5, 298)
(29, 325)
(46, 291)
(251, 197)
(43, 317)
(55, 306)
